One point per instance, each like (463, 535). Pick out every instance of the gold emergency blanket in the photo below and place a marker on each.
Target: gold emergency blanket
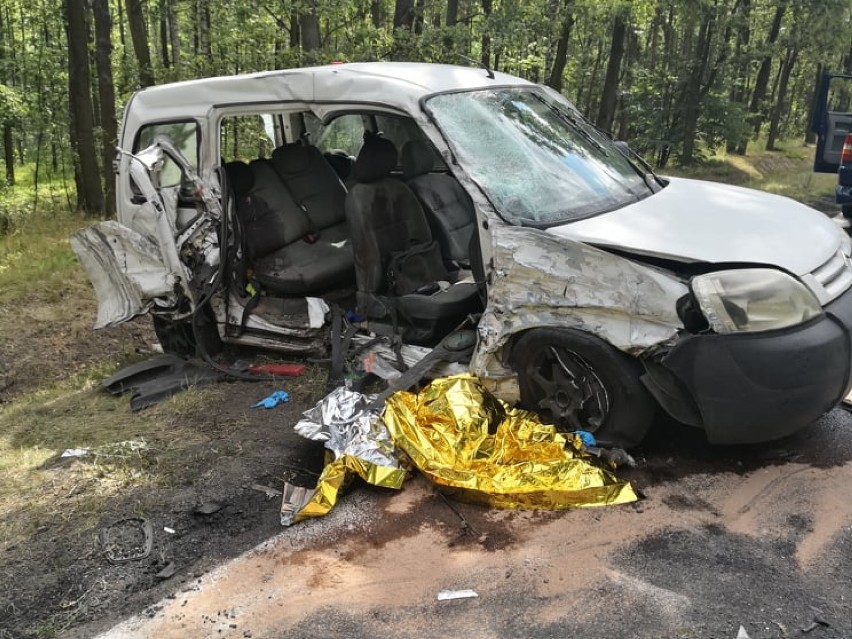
(462, 437)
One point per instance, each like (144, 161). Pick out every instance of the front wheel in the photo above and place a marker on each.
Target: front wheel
(846, 210)
(579, 382)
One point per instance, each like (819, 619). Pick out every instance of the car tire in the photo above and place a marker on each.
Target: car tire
(179, 338)
(846, 210)
(579, 382)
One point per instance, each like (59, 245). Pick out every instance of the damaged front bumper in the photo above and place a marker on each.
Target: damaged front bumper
(757, 387)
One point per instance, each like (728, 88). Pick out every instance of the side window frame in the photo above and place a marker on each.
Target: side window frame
(137, 141)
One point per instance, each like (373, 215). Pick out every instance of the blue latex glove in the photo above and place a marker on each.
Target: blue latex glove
(278, 397)
(587, 437)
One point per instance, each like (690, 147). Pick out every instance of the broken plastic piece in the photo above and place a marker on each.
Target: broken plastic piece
(446, 595)
(75, 452)
(168, 571)
(266, 490)
(133, 535)
(742, 634)
(278, 397)
(157, 379)
(208, 508)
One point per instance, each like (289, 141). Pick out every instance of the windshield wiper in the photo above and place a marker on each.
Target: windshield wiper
(574, 124)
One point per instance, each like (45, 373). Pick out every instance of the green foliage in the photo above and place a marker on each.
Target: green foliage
(11, 105)
(219, 37)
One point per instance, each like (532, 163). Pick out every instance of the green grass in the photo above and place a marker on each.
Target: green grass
(155, 447)
(787, 171)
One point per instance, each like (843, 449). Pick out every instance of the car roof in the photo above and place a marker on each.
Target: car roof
(398, 85)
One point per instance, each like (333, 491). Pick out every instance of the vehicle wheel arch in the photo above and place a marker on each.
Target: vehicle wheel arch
(628, 410)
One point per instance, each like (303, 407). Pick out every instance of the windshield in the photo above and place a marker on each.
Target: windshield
(534, 157)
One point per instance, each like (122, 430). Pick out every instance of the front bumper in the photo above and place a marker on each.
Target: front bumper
(757, 387)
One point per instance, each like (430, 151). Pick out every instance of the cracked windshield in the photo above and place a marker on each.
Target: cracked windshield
(538, 163)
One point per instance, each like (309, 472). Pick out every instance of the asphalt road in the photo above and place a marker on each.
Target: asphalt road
(758, 537)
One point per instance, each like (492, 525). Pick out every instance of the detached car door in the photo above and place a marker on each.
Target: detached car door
(133, 271)
(832, 120)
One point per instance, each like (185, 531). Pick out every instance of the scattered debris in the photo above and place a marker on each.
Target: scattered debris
(742, 634)
(208, 508)
(615, 456)
(168, 571)
(157, 379)
(127, 539)
(278, 397)
(266, 490)
(818, 620)
(278, 370)
(275, 370)
(75, 452)
(447, 595)
(171, 531)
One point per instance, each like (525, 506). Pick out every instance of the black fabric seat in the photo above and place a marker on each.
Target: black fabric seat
(287, 256)
(399, 270)
(314, 185)
(448, 207)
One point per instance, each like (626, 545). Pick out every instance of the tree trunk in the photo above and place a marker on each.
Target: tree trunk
(606, 112)
(90, 196)
(309, 27)
(8, 137)
(487, 6)
(781, 98)
(690, 103)
(403, 21)
(106, 93)
(174, 32)
(164, 34)
(452, 12)
(139, 36)
(295, 36)
(202, 33)
(561, 56)
(377, 14)
(9, 153)
(419, 12)
(757, 108)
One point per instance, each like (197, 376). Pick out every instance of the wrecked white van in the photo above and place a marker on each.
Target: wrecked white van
(419, 197)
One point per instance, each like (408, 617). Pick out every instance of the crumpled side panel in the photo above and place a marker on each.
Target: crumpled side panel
(542, 280)
(126, 271)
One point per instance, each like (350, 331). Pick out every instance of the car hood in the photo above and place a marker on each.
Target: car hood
(696, 221)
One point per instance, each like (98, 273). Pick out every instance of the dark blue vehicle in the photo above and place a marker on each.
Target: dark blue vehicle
(832, 122)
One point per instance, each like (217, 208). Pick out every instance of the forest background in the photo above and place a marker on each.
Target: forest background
(677, 79)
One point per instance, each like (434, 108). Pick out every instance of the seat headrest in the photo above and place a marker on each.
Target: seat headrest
(293, 158)
(240, 177)
(376, 159)
(418, 158)
(341, 162)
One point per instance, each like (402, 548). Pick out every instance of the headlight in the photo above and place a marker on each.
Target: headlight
(753, 299)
